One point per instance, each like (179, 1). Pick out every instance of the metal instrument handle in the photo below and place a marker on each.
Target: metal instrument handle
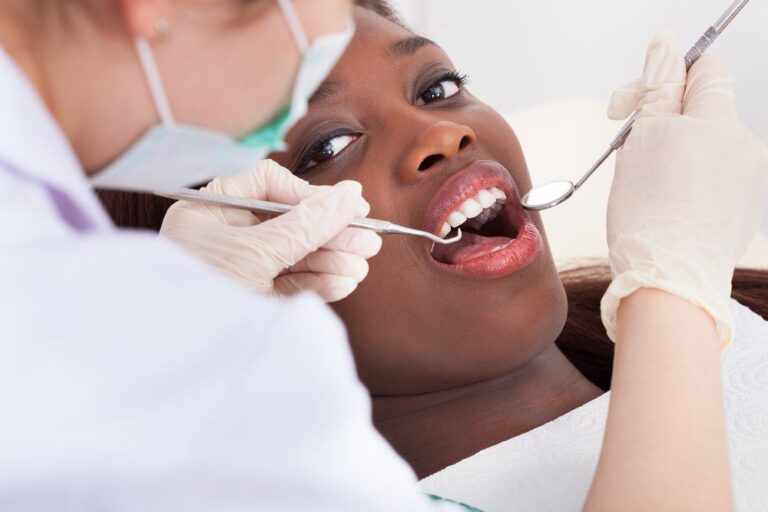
(256, 205)
(693, 55)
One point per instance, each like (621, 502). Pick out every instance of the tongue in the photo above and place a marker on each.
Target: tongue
(470, 246)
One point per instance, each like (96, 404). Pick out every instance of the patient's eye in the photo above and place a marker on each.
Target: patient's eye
(325, 149)
(444, 87)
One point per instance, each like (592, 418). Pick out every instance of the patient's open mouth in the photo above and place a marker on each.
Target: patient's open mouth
(498, 237)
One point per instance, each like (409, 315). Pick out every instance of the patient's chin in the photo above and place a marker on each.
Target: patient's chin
(417, 329)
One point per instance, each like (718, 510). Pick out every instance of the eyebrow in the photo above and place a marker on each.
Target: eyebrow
(326, 89)
(408, 46)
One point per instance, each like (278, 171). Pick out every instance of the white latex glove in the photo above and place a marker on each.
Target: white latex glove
(688, 186)
(307, 248)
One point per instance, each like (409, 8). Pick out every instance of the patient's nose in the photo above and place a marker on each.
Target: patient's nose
(438, 143)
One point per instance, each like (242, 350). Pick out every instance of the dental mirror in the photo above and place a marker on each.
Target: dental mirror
(548, 195)
(552, 194)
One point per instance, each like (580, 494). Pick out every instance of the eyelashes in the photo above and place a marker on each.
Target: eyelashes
(320, 146)
(460, 80)
(328, 146)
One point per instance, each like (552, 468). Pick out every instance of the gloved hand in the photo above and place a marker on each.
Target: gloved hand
(307, 248)
(688, 186)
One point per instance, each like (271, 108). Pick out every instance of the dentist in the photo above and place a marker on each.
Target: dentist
(133, 376)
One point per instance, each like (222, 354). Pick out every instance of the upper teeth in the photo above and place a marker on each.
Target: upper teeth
(478, 210)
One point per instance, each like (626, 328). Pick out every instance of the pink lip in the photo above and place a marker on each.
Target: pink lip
(523, 250)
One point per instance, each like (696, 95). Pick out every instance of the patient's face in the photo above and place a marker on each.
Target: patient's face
(395, 117)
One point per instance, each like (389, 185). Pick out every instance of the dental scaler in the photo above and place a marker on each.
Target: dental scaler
(269, 207)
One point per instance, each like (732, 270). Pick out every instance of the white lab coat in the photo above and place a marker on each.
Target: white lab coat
(132, 377)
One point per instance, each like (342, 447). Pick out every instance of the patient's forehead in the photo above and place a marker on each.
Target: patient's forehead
(375, 29)
(369, 49)
(367, 66)
(382, 58)
(369, 57)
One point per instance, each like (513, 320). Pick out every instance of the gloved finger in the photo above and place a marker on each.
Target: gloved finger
(709, 91)
(209, 213)
(289, 238)
(332, 262)
(362, 242)
(268, 181)
(624, 101)
(663, 83)
(281, 185)
(329, 287)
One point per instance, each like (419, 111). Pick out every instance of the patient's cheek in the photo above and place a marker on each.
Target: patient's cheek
(331, 175)
(496, 139)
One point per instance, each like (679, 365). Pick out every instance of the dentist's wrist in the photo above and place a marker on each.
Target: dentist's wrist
(711, 300)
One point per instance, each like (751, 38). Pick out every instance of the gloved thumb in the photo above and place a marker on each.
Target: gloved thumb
(268, 181)
(660, 91)
(281, 185)
(709, 91)
(312, 223)
(624, 101)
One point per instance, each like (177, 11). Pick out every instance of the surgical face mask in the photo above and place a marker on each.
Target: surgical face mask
(172, 155)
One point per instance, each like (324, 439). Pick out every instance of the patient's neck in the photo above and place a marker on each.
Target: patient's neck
(434, 430)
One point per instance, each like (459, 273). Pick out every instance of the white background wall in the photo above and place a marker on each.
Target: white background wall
(521, 53)
(550, 66)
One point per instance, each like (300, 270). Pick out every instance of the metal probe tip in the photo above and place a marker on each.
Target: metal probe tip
(443, 241)
(447, 241)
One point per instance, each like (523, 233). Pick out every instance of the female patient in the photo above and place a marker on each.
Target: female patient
(457, 357)
(457, 345)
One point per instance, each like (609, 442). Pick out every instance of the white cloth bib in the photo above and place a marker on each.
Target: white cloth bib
(550, 468)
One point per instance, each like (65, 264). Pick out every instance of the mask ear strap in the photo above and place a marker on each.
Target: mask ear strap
(294, 23)
(155, 83)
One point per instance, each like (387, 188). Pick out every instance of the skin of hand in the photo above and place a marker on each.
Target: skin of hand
(308, 248)
(665, 440)
(676, 230)
(688, 187)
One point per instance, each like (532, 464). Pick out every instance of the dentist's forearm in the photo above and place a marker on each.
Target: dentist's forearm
(665, 441)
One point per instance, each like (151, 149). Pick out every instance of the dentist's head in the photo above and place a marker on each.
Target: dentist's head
(132, 81)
